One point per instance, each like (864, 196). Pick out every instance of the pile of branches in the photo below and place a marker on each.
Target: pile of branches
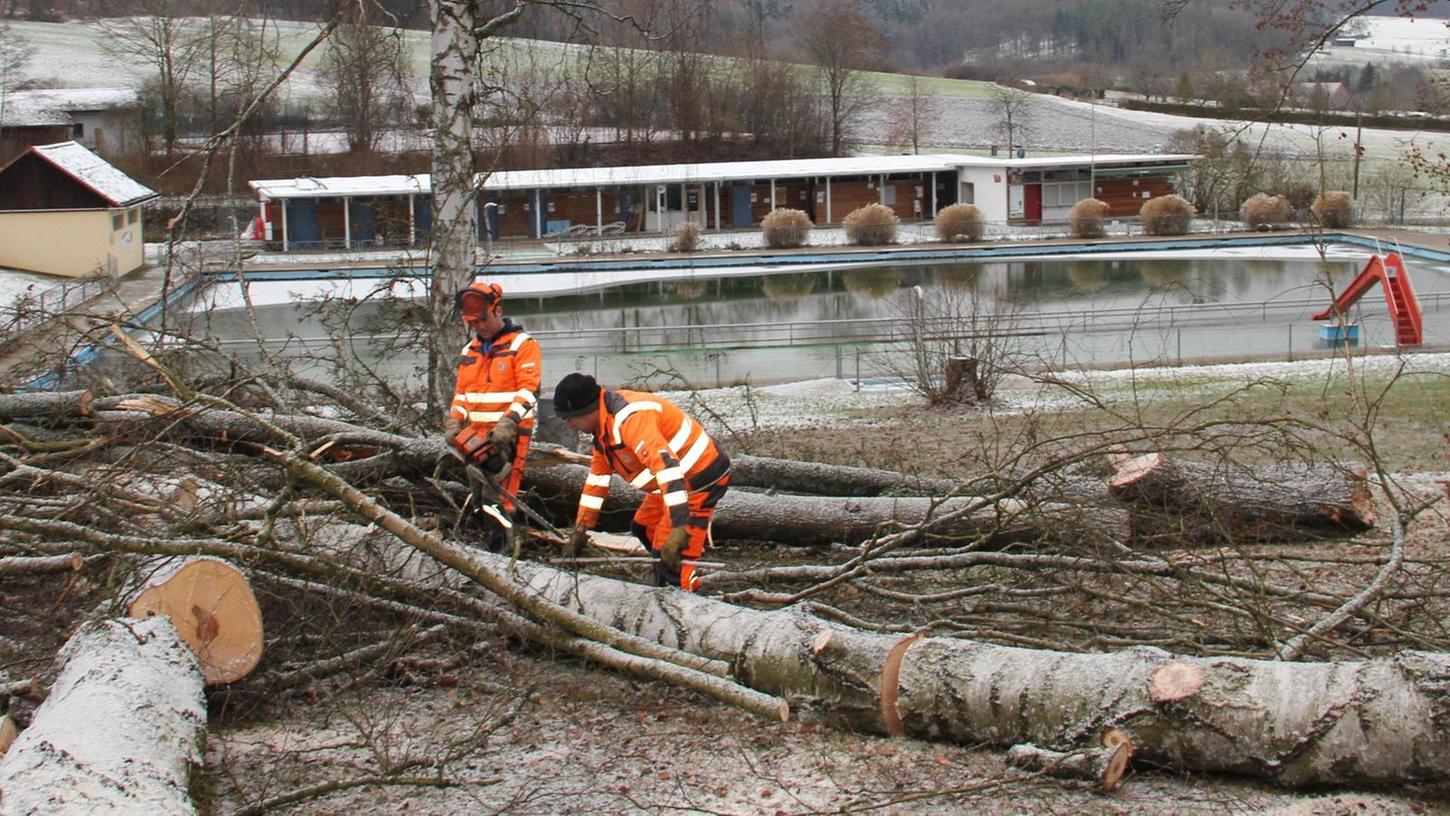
(356, 535)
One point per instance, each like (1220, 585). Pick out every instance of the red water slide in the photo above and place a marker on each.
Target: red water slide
(1390, 273)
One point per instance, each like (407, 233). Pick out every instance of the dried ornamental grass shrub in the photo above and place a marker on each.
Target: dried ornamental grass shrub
(1264, 211)
(1333, 209)
(871, 225)
(785, 228)
(1085, 220)
(1166, 215)
(960, 223)
(687, 237)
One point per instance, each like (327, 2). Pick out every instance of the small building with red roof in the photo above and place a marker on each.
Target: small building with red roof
(66, 211)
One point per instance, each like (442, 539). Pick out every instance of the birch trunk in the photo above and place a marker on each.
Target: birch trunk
(807, 520)
(453, 252)
(35, 405)
(119, 732)
(1375, 722)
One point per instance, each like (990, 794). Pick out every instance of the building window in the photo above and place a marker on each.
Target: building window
(132, 215)
(78, 130)
(118, 221)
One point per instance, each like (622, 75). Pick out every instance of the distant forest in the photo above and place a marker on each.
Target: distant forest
(918, 35)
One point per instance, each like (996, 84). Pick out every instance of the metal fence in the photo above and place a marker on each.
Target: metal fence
(33, 308)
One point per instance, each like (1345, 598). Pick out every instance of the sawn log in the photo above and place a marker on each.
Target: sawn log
(119, 732)
(1370, 722)
(1177, 501)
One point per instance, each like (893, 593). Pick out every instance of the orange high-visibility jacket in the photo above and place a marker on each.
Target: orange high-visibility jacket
(649, 442)
(497, 376)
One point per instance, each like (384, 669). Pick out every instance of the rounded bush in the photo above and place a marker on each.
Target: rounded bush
(871, 225)
(1166, 215)
(785, 228)
(687, 238)
(1333, 209)
(960, 223)
(1264, 211)
(1085, 219)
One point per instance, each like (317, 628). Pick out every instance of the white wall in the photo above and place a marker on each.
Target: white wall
(990, 191)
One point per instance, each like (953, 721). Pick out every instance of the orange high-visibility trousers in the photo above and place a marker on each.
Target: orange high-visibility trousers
(652, 524)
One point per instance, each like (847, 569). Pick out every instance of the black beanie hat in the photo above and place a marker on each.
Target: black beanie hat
(575, 395)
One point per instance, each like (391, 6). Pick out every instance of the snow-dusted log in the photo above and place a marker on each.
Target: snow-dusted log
(1180, 501)
(1373, 722)
(825, 519)
(817, 478)
(41, 405)
(212, 606)
(36, 565)
(119, 732)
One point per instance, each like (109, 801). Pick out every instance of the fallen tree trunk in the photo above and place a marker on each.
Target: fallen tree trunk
(808, 520)
(1372, 722)
(34, 405)
(119, 732)
(1179, 501)
(817, 478)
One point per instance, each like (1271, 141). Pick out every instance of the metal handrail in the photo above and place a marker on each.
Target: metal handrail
(889, 329)
(30, 310)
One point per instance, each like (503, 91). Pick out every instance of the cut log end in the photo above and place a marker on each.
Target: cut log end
(8, 733)
(1130, 470)
(213, 609)
(784, 711)
(1175, 681)
(1115, 767)
(823, 639)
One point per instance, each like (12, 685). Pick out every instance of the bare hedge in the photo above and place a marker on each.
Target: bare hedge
(960, 223)
(1333, 209)
(871, 225)
(785, 228)
(687, 238)
(1264, 211)
(1085, 219)
(1166, 215)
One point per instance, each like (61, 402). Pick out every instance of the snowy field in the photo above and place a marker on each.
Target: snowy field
(1401, 39)
(837, 402)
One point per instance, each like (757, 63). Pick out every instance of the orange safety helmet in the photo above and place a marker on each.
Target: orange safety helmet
(477, 299)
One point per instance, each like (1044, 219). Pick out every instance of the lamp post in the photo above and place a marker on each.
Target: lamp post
(488, 229)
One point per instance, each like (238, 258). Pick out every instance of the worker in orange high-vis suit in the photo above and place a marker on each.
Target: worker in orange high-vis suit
(654, 446)
(492, 417)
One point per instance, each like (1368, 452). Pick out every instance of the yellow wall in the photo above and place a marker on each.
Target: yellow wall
(72, 243)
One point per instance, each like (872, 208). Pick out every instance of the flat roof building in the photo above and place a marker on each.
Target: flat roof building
(377, 211)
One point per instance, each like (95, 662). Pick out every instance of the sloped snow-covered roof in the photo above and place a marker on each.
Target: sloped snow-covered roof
(74, 159)
(55, 106)
(592, 177)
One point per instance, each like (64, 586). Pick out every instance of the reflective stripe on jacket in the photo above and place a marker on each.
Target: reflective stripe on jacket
(654, 446)
(498, 376)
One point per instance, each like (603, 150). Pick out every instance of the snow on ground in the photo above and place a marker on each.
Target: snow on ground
(1406, 39)
(815, 403)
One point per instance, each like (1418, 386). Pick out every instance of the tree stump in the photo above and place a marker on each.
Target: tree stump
(961, 379)
(213, 609)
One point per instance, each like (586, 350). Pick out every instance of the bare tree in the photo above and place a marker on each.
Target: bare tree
(239, 50)
(912, 114)
(843, 45)
(364, 69)
(1012, 110)
(158, 34)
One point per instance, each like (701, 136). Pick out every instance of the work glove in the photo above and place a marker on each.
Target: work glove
(670, 549)
(578, 537)
(505, 432)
